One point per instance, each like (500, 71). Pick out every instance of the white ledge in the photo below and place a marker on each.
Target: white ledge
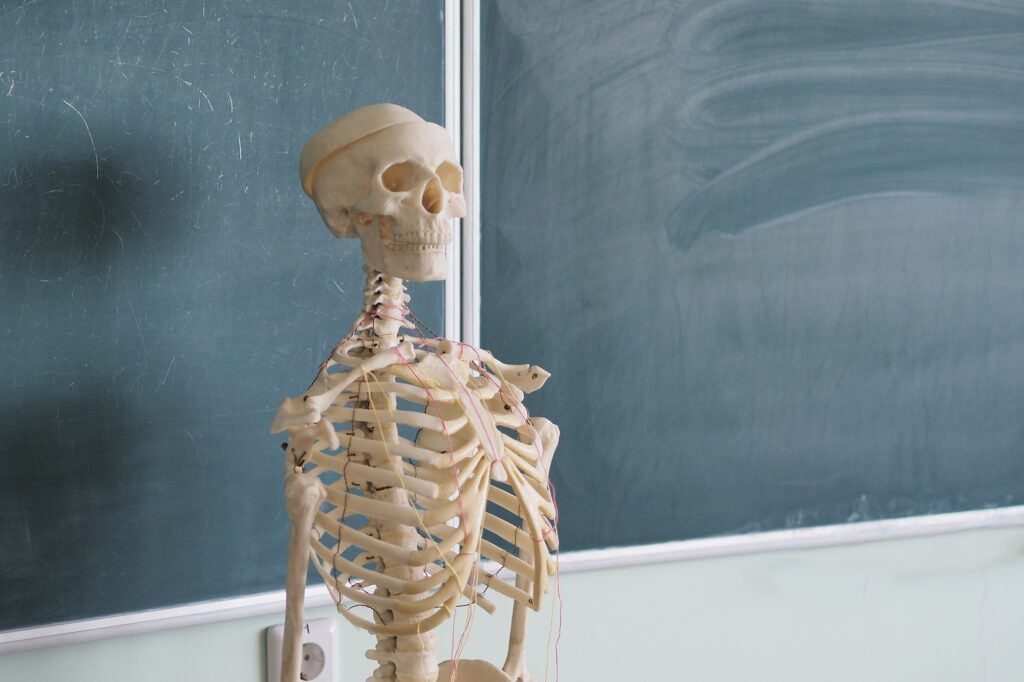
(586, 560)
(792, 539)
(197, 613)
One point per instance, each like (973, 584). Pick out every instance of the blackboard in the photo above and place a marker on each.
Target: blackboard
(772, 252)
(164, 282)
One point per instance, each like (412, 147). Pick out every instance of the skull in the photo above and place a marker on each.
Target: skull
(387, 176)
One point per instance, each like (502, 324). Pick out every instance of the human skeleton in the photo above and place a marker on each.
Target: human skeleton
(398, 523)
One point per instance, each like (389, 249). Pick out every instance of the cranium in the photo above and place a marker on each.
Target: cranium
(387, 176)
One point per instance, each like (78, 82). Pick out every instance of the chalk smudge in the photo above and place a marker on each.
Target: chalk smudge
(792, 105)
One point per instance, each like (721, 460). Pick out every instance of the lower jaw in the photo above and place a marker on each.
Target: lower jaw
(417, 266)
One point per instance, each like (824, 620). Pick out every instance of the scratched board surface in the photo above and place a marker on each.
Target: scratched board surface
(164, 282)
(772, 252)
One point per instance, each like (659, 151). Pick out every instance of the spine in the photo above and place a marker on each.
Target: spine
(407, 658)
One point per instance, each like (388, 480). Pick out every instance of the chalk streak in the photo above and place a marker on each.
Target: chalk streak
(196, 87)
(138, 327)
(168, 372)
(19, 7)
(95, 156)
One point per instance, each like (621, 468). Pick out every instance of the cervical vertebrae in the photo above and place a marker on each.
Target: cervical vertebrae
(412, 461)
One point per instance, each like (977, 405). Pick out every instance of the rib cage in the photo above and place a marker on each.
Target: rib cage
(472, 481)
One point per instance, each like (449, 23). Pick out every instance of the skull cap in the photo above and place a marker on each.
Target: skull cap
(342, 132)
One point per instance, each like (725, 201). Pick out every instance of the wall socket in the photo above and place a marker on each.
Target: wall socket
(319, 651)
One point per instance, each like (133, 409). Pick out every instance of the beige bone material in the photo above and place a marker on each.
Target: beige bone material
(303, 494)
(471, 670)
(410, 460)
(387, 176)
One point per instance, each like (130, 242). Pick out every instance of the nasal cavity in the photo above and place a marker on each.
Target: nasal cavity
(433, 197)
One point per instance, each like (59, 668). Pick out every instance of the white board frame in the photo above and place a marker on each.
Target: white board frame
(462, 321)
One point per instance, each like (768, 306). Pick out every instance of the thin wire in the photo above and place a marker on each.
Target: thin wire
(554, 502)
(420, 324)
(456, 650)
(341, 520)
(502, 385)
(462, 512)
(398, 470)
(337, 346)
(558, 592)
(429, 536)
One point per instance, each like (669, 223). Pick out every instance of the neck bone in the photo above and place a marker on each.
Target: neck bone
(385, 306)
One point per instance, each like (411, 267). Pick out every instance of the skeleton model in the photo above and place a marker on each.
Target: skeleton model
(410, 461)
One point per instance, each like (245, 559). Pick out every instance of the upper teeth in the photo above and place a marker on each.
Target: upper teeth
(429, 238)
(411, 246)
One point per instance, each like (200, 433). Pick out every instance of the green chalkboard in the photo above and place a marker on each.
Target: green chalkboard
(772, 252)
(164, 282)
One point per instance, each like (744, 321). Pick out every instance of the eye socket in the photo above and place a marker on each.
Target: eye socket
(399, 177)
(451, 176)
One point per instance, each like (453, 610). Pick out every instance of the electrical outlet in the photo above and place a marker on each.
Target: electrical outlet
(319, 651)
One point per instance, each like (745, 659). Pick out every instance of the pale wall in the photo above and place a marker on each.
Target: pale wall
(941, 609)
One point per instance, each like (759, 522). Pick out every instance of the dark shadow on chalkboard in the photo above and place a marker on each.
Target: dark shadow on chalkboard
(73, 478)
(63, 459)
(76, 215)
